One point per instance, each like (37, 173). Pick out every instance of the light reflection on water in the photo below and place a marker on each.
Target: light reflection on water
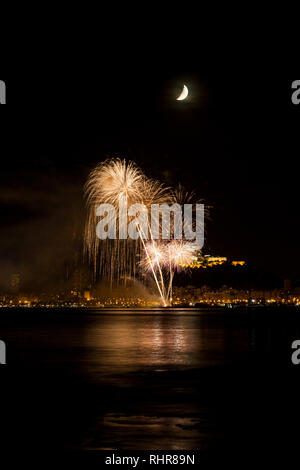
(151, 379)
(153, 359)
(131, 342)
(135, 353)
(119, 341)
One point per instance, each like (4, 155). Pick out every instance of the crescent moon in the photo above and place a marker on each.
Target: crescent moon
(183, 94)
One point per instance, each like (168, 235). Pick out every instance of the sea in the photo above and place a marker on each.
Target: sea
(215, 380)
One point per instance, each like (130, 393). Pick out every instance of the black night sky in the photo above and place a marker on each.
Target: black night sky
(209, 369)
(235, 142)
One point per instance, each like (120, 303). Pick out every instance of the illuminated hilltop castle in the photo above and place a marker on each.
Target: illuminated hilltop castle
(208, 261)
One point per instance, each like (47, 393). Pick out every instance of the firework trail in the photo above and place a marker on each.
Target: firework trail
(170, 257)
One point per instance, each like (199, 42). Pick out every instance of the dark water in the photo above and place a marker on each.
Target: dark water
(209, 380)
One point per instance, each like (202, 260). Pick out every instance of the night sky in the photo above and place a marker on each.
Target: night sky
(235, 141)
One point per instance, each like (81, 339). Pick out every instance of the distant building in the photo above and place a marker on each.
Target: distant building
(215, 260)
(87, 295)
(15, 283)
(208, 261)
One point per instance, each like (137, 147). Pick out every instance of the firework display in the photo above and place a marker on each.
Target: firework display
(122, 184)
